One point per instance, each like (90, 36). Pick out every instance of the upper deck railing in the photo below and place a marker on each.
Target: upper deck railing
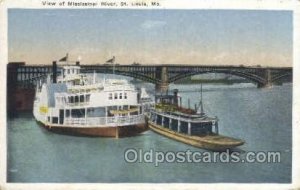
(105, 121)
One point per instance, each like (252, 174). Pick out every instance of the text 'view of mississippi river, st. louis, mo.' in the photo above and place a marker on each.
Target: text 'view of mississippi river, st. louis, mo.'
(180, 96)
(87, 4)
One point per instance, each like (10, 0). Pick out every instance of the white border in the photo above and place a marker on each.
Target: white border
(292, 5)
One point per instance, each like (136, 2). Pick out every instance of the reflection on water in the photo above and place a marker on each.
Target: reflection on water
(261, 117)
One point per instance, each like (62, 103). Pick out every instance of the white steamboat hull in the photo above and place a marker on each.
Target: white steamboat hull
(96, 131)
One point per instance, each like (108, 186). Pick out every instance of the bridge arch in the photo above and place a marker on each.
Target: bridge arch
(143, 77)
(252, 77)
(136, 75)
(284, 75)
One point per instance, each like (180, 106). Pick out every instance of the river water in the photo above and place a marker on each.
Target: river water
(261, 117)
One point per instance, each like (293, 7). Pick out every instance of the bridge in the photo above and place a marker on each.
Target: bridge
(21, 74)
(22, 78)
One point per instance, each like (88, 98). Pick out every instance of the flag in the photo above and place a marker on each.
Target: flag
(64, 58)
(111, 60)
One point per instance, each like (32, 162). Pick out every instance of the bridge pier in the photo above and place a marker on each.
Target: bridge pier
(265, 85)
(19, 97)
(163, 85)
(268, 80)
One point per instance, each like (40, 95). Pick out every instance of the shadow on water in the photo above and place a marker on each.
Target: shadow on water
(19, 114)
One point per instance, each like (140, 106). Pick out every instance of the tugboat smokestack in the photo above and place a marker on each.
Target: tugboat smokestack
(176, 97)
(54, 71)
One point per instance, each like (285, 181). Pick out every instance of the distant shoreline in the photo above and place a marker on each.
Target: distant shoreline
(218, 81)
(199, 81)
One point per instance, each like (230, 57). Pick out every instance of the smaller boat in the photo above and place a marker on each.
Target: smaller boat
(186, 125)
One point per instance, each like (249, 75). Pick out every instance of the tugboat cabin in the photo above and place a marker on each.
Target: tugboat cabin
(169, 114)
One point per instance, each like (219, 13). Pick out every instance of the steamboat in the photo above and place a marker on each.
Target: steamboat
(190, 126)
(74, 104)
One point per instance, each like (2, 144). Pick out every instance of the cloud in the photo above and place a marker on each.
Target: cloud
(150, 24)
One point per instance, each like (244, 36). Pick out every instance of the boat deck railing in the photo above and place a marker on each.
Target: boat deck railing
(186, 118)
(105, 121)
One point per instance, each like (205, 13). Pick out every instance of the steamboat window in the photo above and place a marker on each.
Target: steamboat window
(120, 96)
(76, 99)
(96, 112)
(134, 113)
(78, 113)
(87, 98)
(54, 119)
(72, 99)
(125, 95)
(110, 96)
(81, 98)
(116, 95)
(67, 113)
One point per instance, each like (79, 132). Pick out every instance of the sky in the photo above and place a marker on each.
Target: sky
(202, 37)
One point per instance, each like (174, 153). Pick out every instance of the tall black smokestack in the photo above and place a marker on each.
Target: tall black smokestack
(77, 63)
(176, 97)
(54, 71)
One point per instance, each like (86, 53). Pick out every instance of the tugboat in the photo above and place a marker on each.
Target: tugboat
(73, 104)
(186, 125)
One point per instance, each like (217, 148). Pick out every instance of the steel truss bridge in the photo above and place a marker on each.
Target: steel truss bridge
(21, 74)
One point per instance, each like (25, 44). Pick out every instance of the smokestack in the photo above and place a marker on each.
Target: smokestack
(175, 96)
(180, 102)
(139, 95)
(54, 71)
(77, 63)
